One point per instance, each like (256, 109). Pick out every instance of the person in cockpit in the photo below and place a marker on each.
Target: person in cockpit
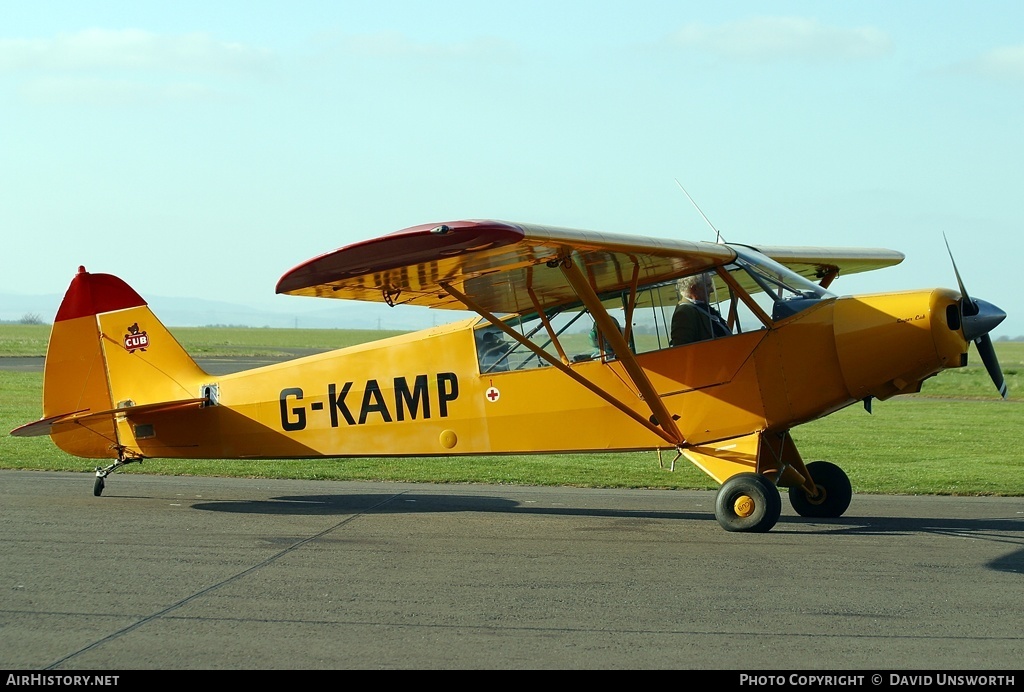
(694, 319)
(490, 350)
(608, 351)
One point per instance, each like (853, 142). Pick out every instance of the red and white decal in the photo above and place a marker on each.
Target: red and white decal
(492, 394)
(136, 339)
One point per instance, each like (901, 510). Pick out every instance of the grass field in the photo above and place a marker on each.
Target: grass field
(31, 339)
(955, 438)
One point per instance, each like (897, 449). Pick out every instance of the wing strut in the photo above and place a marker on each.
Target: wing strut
(618, 342)
(543, 317)
(541, 353)
(633, 292)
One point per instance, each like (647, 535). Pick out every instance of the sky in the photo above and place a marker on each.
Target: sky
(201, 149)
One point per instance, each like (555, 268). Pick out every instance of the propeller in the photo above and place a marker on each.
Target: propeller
(978, 318)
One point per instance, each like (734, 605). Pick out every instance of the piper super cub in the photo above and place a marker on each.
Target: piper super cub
(583, 342)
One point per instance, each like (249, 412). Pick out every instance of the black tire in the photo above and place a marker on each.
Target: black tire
(834, 489)
(748, 502)
(97, 486)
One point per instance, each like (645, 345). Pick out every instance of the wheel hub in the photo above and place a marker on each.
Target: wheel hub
(820, 498)
(743, 506)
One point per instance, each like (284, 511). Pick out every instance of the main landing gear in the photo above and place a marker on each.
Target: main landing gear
(124, 457)
(750, 502)
(834, 492)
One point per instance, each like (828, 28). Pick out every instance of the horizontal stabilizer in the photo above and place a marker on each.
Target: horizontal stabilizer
(45, 426)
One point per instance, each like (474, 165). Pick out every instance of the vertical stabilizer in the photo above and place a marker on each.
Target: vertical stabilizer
(108, 350)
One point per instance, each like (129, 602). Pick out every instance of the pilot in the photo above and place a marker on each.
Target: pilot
(694, 319)
(491, 349)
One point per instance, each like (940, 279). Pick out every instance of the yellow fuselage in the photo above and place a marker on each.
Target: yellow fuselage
(423, 394)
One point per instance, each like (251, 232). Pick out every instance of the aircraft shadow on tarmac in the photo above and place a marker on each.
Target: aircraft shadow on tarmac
(1010, 531)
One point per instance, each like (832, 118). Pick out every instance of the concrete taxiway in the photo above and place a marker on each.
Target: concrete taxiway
(182, 573)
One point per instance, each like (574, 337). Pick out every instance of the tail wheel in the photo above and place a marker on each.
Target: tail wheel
(834, 492)
(748, 502)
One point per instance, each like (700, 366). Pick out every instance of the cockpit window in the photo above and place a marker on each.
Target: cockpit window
(567, 333)
(746, 295)
(492, 348)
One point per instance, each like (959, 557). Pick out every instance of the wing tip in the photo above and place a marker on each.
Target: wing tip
(416, 244)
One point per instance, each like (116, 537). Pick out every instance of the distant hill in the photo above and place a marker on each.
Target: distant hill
(289, 312)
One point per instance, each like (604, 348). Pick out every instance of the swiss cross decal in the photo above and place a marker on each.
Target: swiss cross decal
(135, 339)
(492, 394)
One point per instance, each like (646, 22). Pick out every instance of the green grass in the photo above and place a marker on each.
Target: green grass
(31, 340)
(955, 438)
(23, 339)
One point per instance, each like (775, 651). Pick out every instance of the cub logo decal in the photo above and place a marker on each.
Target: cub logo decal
(135, 340)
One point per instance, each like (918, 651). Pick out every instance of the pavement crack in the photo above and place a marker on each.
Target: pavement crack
(213, 587)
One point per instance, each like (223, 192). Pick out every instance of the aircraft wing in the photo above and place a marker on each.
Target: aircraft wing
(499, 263)
(815, 263)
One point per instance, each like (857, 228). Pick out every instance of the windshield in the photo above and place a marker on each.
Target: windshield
(780, 291)
(774, 278)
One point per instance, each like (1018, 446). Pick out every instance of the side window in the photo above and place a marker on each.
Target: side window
(652, 318)
(740, 316)
(497, 352)
(755, 294)
(569, 335)
(492, 348)
(598, 345)
(713, 312)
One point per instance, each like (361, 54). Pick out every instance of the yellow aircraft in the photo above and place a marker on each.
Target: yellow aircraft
(573, 350)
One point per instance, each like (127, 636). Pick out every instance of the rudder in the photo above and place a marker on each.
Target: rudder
(108, 350)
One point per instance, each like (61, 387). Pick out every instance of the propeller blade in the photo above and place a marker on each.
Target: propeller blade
(978, 318)
(988, 357)
(967, 305)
